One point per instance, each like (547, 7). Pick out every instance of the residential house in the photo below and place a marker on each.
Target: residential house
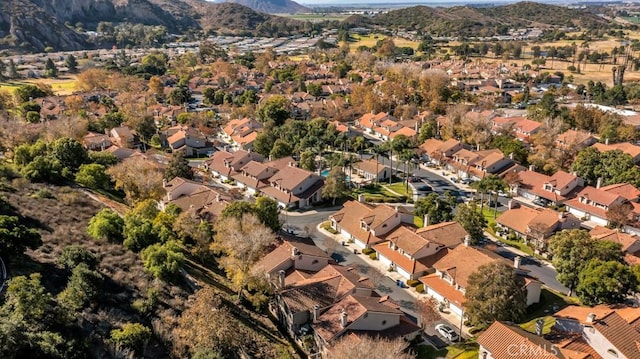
(207, 202)
(625, 147)
(224, 164)
(509, 341)
(254, 176)
(96, 141)
(371, 170)
(122, 153)
(191, 141)
(629, 242)
(574, 140)
(555, 189)
(439, 151)
(612, 332)
(535, 225)
(591, 205)
(124, 137)
(411, 253)
(369, 121)
(476, 165)
(366, 224)
(294, 187)
(521, 127)
(293, 260)
(453, 269)
(242, 132)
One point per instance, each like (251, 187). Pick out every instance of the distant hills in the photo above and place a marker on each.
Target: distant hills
(33, 25)
(485, 21)
(272, 6)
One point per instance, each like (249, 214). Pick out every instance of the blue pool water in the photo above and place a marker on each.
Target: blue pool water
(325, 173)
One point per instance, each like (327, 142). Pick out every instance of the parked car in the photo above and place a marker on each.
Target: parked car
(447, 332)
(453, 179)
(466, 181)
(541, 202)
(424, 188)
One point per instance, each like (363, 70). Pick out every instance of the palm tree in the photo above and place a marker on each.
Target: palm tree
(405, 156)
(377, 151)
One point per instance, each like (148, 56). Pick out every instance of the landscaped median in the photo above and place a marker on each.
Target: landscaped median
(379, 194)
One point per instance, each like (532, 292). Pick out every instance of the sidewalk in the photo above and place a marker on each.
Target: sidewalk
(452, 319)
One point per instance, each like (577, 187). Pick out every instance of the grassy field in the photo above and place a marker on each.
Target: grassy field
(61, 86)
(370, 40)
(377, 194)
(401, 188)
(456, 351)
(315, 17)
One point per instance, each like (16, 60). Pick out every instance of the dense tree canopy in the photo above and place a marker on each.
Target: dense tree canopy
(612, 166)
(605, 282)
(471, 219)
(15, 237)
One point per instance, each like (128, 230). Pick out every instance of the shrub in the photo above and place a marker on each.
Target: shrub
(420, 288)
(373, 256)
(42, 193)
(132, 335)
(413, 282)
(367, 251)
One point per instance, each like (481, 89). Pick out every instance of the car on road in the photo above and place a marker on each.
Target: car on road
(447, 332)
(466, 181)
(424, 188)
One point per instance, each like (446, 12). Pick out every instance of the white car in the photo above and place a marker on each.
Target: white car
(447, 332)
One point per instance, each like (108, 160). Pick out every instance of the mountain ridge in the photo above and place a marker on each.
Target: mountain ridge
(271, 6)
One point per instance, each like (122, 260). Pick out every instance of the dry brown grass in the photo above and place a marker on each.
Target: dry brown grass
(62, 221)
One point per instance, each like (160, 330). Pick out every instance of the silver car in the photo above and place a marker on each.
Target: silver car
(447, 332)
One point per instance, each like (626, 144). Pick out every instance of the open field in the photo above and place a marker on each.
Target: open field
(370, 40)
(65, 85)
(312, 17)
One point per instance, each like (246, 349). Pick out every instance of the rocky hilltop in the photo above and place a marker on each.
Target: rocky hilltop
(272, 6)
(33, 25)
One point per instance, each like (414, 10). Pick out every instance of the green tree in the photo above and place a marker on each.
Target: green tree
(276, 109)
(163, 261)
(471, 220)
(13, 70)
(612, 166)
(138, 232)
(335, 185)
(15, 238)
(236, 209)
(605, 282)
(280, 149)
(429, 129)
(268, 212)
(44, 169)
(50, 69)
(132, 335)
(106, 225)
(72, 64)
(437, 208)
(495, 292)
(511, 147)
(74, 255)
(106, 159)
(82, 288)
(93, 176)
(69, 152)
(180, 96)
(308, 160)
(28, 92)
(573, 250)
(178, 167)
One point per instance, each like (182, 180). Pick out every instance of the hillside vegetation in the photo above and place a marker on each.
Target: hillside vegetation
(489, 21)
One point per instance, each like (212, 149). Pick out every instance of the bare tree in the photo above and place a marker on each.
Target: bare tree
(351, 347)
(241, 242)
(330, 245)
(427, 308)
(139, 178)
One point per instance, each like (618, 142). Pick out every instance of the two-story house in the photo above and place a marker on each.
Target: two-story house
(535, 225)
(254, 176)
(522, 128)
(574, 140)
(369, 121)
(452, 271)
(555, 189)
(124, 137)
(609, 331)
(96, 141)
(294, 187)
(477, 165)
(207, 202)
(224, 164)
(242, 132)
(439, 151)
(411, 253)
(508, 341)
(591, 205)
(191, 141)
(366, 224)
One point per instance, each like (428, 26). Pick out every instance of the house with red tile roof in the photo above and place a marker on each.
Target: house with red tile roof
(369, 121)
(521, 127)
(477, 165)
(452, 271)
(294, 187)
(556, 189)
(242, 132)
(625, 147)
(609, 331)
(189, 140)
(439, 151)
(411, 253)
(591, 205)
(505, 341)
(224, 164)
(96, 141)
(535, 225)
(366, 224)
(629, 242)
(206, 202)
(574, 140)
(372, 170)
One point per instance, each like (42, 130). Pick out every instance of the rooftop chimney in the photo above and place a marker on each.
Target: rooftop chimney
(426, 220)
(606, 141)
(510, 204)
(164, 183)
(539, 326)
(344, 318)
(467, 240)
(316, 313)
(532, 168)
(281, 278)
(516, 262)
(294, 251)
(599, 182)
(591, 318)
(361, 198)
